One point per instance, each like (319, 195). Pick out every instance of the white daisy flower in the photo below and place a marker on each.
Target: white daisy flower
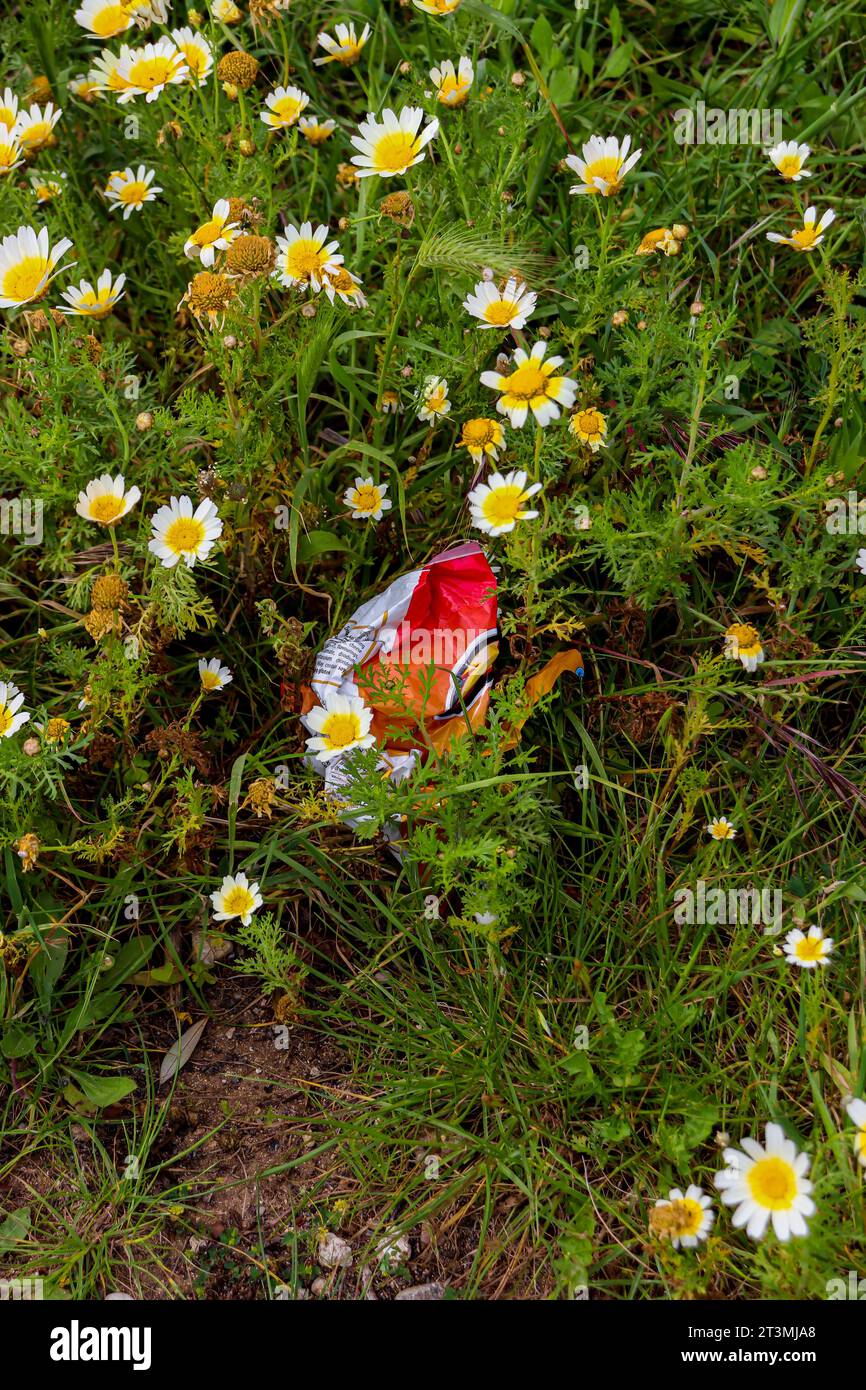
(856, 1110)
(106, 71)
(285, 105)
(343, 285)
(766, 1184)
(721, 829)
(339, 725)
(484, 438)
(147, 12)
(11, 153)
(147, 71)
(103, 19)
(434, 399)
(316, 131)
(47, 187)
(690, 1216)
(304, 255)
(604, 165)
(367, 500)
(213, 675)
(532, 387)
(93, 303)
(217, 234)
(8, 108)
(12, 716)
(437, 7)
(106, 499)
(590, 427)
(743, 644)
(498, 504)
(453, 87)
(28, 264)
(789, 158)
(196, 53)
(807, 950)
(392, 145)
(226, 11)
(810, 235)
(179, 533)
(33, 129)
(345, 48)
(85, 86)
(236, 897)
(131, 190)
(508, 308)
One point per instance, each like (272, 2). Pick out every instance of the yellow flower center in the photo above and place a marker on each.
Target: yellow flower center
(502, 505)
(436, 401)
(772, 1183)
(589, 423)
(210, 680)
(606, 168)
(395, 151)
(805, 238)
(106, 508)
(527, 382)
(789, 165)
(24, 281)
(720, 831)
(304, 259)
(812, 948)
(287, 109)
(184, 535)
(148, 73)
(5, 719)
(7, 116)
(350, 52)
(453, 91)
(238, 901)
(8, 156)
(477, 434)
(194, 57)
(109, 21)
(135, 191)
(366, 499)
(341, 729)
(500, 311)
(209, 232)
(95, 306)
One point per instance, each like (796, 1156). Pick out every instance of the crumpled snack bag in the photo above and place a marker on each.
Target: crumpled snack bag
(409, 671)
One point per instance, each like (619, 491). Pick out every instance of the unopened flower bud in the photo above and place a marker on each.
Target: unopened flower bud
(144, 421)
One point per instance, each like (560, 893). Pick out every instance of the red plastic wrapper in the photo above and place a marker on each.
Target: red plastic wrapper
(408, 672)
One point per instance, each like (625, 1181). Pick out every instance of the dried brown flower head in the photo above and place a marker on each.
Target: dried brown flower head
(250, 256)
(56, 729)
(28, 851)
(261, 797)
(109, 591)
(399, 208)
(100, 621)
(208, 294)
(239, 68)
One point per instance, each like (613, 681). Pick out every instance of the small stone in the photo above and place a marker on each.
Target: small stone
(318, 1286)
(393, 1250)
(334, 1252)
(421, 1293)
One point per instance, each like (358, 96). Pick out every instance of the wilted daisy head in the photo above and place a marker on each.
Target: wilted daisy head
(807, 949)
(226, 11)
(453, 85)
(532, 387)
(767, 1183)
(236, 897)
(34, 128)
(12, 716)
(181, 533)
(106, 499)
(216, 234)
(661, 240)
(213, 675)
(509, 307)
(28, 264)
(366, 500)
(497, 505)
(337, 726)
(131, 189)
(207, 296)
(790, 159)
(103, 19)
(590, 427)
(84, 300)
(393, 144)
(250, 256)
(47, 187)
(285, 105)
(304, 255)
(345, 48)
(742, 643)
(604, 165)
(343, 285)
(810, 235)
(484, 438)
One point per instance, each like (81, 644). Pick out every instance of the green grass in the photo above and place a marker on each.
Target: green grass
(462, 1102)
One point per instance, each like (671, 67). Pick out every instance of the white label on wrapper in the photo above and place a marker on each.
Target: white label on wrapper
(349, 648)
